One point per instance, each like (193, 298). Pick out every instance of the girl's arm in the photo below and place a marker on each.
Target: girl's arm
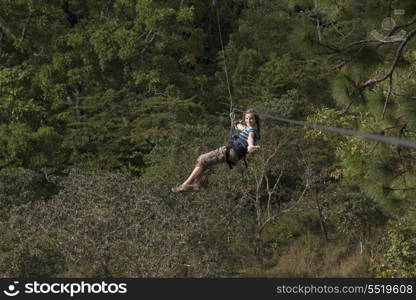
(251, 147)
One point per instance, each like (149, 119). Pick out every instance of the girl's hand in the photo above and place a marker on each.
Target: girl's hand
(239, 126)
(252, 148)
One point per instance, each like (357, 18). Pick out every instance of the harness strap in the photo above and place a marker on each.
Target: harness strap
(230, 163)
(238, 149)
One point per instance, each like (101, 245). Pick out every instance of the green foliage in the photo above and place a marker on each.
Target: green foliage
(32, 257)
(353, 214)
(100, 63)
(343, 88)
(399, 252)
(22, 147)
(293, 104)
(22, 186)
(113, 225)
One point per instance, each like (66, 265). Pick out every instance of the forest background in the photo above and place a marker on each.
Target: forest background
(105, 105)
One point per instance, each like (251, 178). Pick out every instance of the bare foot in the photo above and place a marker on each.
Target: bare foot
(185, 188)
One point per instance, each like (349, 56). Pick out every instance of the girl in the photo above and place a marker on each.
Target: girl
(243, 143)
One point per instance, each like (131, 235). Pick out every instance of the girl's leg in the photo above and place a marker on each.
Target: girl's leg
(192, 182)
(195, 177)
(203, 161)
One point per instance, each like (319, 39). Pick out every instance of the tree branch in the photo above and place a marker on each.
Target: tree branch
(397, 27)
(24, 28)
(395, 61)
(6, 30)
(271, 191)
(389, 92)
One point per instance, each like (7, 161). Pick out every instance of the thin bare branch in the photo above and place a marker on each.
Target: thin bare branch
(389, 92)
(22, 36)
(271, 218)
(271, 191)
(6, 30)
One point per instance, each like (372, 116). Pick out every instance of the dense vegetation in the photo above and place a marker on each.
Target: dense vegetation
(105, 105)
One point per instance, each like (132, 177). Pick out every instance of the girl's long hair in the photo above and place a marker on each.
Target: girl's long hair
(256, 118)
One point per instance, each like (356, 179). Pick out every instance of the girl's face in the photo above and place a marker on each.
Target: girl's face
(250, 120)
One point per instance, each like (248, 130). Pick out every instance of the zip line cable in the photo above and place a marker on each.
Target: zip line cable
(370, 136)
(232, 116)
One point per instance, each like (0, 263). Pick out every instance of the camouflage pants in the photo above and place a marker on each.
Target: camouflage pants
(216, 156)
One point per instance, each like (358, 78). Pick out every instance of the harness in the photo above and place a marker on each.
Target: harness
(236, 144)
(241, 151)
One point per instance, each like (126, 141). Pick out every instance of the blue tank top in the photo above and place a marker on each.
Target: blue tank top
(243, 136)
